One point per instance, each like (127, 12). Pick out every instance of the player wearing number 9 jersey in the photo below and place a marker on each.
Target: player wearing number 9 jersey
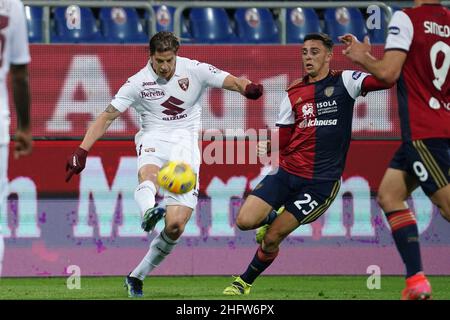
(165, 94)
(417, 57)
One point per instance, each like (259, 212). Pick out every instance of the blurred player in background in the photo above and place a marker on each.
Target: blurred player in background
(166, 94)
(417, 57)
(14, 57)
(315, 121)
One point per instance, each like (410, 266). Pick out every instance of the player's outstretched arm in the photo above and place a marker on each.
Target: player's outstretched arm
(245, 87)
(99, 127)
(77, 161)
(387, 69)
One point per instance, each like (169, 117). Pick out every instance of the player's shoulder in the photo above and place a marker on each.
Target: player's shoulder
(351, 74)
(336, 73)
(141, 77)
(298, 83)
(423, 11)
(187, 63)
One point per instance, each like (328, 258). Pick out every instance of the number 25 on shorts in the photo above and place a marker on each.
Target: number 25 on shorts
(307, 201)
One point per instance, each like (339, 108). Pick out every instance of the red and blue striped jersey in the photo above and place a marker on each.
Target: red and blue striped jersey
(321, 113)
(423, 89)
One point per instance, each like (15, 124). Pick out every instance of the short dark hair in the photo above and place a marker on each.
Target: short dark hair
(164, 41)
(326, 39)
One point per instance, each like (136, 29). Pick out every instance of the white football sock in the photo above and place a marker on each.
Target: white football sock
(145, 195)
(160, 247)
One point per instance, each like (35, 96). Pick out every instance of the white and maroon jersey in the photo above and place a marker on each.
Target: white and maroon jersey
(169, 108)
(13, 50)
(322, 114)
(424, 86)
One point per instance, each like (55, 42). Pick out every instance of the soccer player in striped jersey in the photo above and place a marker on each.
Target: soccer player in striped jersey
(417, 57)
(315, 123)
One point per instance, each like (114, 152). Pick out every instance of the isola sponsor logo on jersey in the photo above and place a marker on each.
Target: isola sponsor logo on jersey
(152, 94)
(309, 117)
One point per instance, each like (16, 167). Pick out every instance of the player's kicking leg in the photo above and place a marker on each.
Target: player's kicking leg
(258, 209)
(145, 194)
(265, 255)
(261, 231)
(286, 189)
(175, 221)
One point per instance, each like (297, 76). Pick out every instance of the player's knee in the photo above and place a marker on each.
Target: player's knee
(272, 240)
(384, 200)
(243, 222)
(147, 173)
(445, 211)
(174, 229)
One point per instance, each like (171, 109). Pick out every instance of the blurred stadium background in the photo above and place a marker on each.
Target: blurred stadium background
(83, 51)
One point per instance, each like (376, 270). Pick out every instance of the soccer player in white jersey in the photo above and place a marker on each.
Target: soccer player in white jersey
(14, 56)
(166, 94)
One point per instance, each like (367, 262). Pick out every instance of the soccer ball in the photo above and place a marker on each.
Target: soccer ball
(177, 177)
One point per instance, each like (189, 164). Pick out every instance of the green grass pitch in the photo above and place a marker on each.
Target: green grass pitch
(210, 287)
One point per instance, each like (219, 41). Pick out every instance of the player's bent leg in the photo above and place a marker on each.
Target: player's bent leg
(252, 213)
(265, 255)
(177, 217)
(145, 194)
(278, 231)
(261, 231)
(441, 199)
(394, 189)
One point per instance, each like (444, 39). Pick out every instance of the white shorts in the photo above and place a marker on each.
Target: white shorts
(156, 150)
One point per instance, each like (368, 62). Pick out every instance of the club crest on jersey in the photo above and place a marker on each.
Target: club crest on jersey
(329, 91)
(184, 83)
(308, 110)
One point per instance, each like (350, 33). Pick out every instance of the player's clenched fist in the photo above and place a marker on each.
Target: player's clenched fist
(263, 148)
(253, 91)
(76, 163)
